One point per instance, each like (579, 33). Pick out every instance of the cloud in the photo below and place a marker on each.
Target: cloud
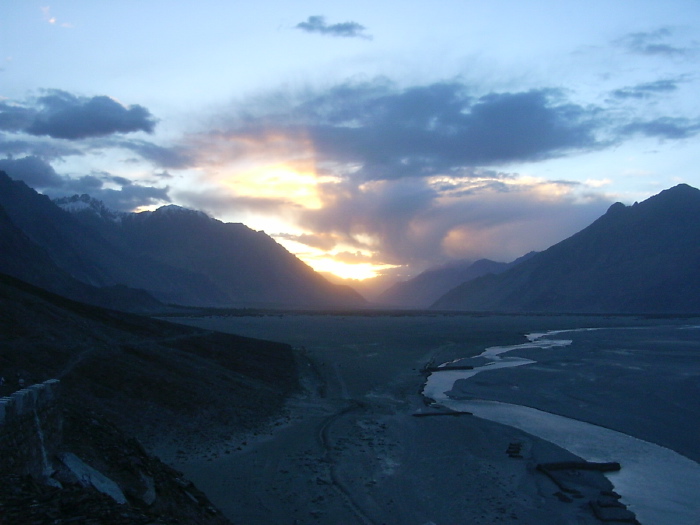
(664, 128)
(218, 202)
(323, 242)
(14, 117)
(652, 43)
(165, 157)
(46, 12)
(646, 89)
(385, 132)
(59, 114)
(46, 149)
(317, 24)
(410, 222)
(131, 196)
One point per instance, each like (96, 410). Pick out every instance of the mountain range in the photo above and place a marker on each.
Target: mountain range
(427, 287)
(79, 248)
(643, 258)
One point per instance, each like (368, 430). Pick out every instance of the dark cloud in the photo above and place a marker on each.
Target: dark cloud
(122, 181)
(90, 184)
(14, 117)
(317, 24)
(39, 147)
(381, 215)
(664, 128)
(420, 131)
(652, 43)
(132, 196)
(646, 90)
(61, 115)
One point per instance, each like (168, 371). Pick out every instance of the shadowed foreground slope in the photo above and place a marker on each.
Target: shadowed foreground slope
(160, 382)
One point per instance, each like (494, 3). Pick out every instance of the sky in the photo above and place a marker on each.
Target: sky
(369, 138)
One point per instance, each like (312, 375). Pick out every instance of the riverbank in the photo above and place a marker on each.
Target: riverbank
(628, 384)
(350, 450)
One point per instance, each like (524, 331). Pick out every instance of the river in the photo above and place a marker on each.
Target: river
(658, 484)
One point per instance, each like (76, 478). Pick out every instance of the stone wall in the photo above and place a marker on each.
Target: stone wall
(30, 429)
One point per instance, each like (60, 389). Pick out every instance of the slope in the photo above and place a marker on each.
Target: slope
(155, 379)
(247, 265)
(24, 259)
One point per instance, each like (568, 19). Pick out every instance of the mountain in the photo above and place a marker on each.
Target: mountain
(247, 265)
(175, 255)
(82, 252)
(643, 258)
(26, 260)
(427, 287)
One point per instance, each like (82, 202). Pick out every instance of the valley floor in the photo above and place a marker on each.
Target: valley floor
(350, 451)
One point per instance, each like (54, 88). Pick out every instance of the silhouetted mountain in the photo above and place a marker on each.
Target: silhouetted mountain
(24, 259)
(643, 258)
(80, 250)
(176, 255)
(427, 287)
(247, 265)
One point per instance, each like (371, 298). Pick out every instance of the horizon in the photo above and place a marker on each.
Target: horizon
(365, 144)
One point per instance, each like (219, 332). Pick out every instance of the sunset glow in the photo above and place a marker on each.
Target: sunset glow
(278, 182)
(357, 271)
(353, 136)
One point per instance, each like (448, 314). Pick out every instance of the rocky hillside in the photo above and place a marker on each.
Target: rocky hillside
(643, 258)
(145, 375)
(123, 377)
(26, 260)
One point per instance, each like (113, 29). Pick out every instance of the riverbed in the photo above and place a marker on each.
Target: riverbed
(349, 450)
(656, 483)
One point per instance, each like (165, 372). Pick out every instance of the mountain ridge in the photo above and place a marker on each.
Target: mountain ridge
(643, 258)
(427, 287)
(228, 265)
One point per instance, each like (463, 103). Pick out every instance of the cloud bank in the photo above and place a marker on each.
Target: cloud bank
(118, 193)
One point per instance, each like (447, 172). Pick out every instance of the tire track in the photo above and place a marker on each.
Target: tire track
(322, 436)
